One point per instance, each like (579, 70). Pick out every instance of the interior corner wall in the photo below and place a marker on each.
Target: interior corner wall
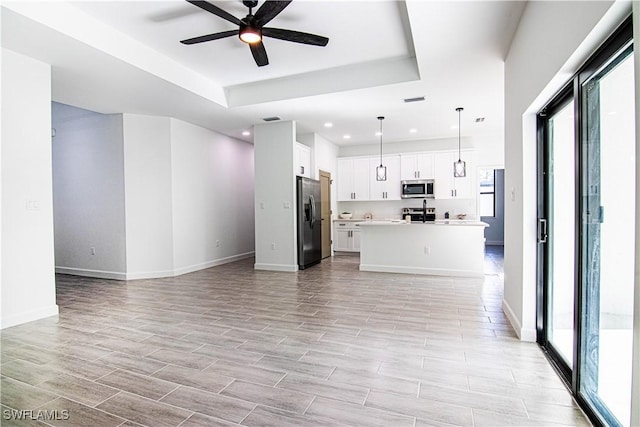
(28, 289)
(531, 67)
(275, 196)
(212, 184)
(88, 193)
(148, 196)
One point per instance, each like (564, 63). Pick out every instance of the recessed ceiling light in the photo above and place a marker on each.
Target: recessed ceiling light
(347, 136)
(454, 126)
(378, 133)
(414, 130)
(328, 125)
(479, 119)
(246, 133)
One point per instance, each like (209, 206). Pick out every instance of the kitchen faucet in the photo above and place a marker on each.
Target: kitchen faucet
(424, 210)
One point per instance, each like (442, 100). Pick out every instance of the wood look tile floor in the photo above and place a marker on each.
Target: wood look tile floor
(327, 346)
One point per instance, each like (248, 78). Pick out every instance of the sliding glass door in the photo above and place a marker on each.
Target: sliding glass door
(556, 231)
(608, 212)
(586, 231)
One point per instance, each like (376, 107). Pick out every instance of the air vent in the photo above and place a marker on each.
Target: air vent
(271, 119)
(416, 99)
(480, 120)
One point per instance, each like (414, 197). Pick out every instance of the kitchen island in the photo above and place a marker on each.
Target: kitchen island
(443, 247)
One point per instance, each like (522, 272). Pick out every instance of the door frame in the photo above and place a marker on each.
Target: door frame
(563, 97)
(613, 46)
(326, 251)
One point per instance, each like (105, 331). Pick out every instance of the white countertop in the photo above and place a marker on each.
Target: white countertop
(457, 222)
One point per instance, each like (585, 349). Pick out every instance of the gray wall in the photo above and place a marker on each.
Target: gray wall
(88, 191)
(155, 196)
(494, 234)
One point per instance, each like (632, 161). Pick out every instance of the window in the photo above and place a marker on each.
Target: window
(487, 192)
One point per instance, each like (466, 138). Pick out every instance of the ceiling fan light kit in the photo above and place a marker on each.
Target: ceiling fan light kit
(251, 28)
(250, 35)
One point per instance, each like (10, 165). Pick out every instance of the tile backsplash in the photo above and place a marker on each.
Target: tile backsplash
(393, 209)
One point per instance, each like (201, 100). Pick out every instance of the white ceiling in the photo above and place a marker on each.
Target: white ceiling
(125, 56)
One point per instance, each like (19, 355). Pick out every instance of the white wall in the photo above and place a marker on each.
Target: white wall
(533, 73)
(406, 147)
(635, 396)
(154, 196)
(323, 157)
(28, 286)
(88, 192)
(212, 188)
(392, 209)
(489, 149)
(148, 196)
(275, 196)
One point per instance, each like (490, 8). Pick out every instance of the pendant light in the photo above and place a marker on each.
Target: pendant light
(459, 167)
(381, 171)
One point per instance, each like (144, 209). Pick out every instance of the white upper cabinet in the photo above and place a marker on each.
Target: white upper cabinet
(302, 160)
(353, 179)
(356, 178)
(389, 189)
(446, 185)
(417, 166)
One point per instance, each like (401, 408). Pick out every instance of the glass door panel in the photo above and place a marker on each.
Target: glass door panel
(561, 220)
(608, 209)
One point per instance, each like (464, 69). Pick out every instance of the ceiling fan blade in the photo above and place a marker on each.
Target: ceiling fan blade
(295, 36)
(259, 54)
(216, 11)
(269, 10)
(209, 37)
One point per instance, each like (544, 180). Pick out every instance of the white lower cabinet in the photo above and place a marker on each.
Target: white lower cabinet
(347, 237)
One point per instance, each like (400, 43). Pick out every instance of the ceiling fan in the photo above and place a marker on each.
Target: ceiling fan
(252, 28)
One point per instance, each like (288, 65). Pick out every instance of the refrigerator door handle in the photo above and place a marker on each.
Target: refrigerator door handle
(312, 202)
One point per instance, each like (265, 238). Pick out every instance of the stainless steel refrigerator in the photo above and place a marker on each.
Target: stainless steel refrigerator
(309, 238)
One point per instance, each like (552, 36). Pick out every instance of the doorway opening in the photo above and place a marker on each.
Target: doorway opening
(325, 212)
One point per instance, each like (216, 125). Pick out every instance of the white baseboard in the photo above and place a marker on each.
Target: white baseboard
(99, 274)
(523, 334)
(212, 263)
(275, 267)
(28, 316)
(420, 270)
(152, 274)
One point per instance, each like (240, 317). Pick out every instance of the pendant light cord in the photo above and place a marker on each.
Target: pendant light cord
(381, 119)
(459, 109)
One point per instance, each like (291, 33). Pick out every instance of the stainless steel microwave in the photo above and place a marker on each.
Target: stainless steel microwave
(417, 189)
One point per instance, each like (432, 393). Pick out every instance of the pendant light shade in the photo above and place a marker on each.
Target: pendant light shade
(459, 167)
(381, 171)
